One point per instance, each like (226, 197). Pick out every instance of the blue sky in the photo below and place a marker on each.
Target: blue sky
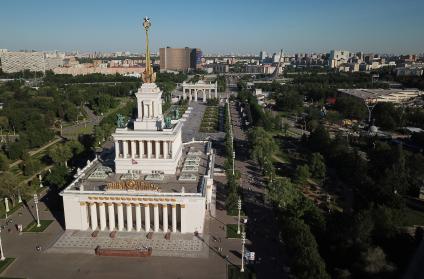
(238, 26)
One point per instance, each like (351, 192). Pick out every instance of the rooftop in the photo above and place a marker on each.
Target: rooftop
(367, 94)
(99, 175)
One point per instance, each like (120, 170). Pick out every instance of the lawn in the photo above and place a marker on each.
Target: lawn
(232, 230)
(413, 217)
(210, 120)
(32, 227)
(4, 264)
(234, 212)
(233, 272)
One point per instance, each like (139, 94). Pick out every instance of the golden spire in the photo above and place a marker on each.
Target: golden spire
(148, 76)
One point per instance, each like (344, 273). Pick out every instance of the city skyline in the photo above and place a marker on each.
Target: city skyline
(219, 27)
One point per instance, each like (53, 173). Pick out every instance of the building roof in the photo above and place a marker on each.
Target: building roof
(99, 173)
(380, 94)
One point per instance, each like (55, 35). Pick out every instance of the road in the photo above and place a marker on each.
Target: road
(262, 227)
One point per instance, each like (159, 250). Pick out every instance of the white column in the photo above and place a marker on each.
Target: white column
(102, 211)
(182, 215)
(147, 217)
(165, 149)
(129, 217)
(125, 147)
(204, 96)
(137, 217)
(156, 217)
(157, 147)
(84, 216)
(149, 149)
(216, 92)
(174, 218)
(116, 149)
(141, 148)
(195, 95)
(165, 217)
(93, 214)
(111, 214)
(120, 217)
(133, 149)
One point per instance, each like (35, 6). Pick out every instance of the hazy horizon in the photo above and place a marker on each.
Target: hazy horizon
(239, 27)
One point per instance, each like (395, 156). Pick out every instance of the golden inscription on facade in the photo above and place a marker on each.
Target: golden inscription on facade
(132, 185)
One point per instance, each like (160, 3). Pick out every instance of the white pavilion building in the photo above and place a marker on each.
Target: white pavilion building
(153, 182)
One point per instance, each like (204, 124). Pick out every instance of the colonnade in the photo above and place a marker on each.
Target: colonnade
(147, 149)
(132, 216)
(193, 94)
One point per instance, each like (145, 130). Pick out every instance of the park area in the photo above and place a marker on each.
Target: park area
(210, 121)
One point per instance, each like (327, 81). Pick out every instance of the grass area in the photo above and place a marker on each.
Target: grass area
(4, 264)
(414, 217)
(231, 230)
(210, 120)
(233, 272)
(234, 212)
(32, 227)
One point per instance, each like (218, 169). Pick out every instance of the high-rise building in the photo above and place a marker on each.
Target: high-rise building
(262, 55)
(180, 59)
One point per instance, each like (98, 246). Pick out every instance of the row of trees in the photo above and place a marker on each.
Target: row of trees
(233, 193)
(292, 209)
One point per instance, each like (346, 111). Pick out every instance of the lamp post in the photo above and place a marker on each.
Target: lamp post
(2, 258)
(239, 208)
(234, 158)
(243, 242)
(6, 205)
(36, 209)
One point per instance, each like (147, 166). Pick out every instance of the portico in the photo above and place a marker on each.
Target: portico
(137, 216)
(200, 90)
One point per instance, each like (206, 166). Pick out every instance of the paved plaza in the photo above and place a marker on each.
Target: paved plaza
(180, 245)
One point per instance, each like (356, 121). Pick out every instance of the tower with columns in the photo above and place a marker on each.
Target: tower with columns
(149, 147)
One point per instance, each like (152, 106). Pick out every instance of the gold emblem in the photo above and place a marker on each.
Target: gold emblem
(132, 185)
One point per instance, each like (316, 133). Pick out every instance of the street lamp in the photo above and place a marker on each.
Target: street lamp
(234, 157)
(36, 209)
(243, 242)
(239, 208)
(6, 205)
(2, 258)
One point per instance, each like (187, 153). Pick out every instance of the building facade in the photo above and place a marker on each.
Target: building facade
(159, 183)
(14, 61)
(180, 59)
(200, 91)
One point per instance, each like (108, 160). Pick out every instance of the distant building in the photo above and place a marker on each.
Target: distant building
(409, 71)
(262, 55)
(13, 61)
(338, 57)
(373, 96)
(180, 59)
(220, 68)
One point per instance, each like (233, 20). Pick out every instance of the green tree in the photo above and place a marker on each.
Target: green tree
(302, 174)
(57, 177)
(60, 153)
(282, 192)
(4, 162)
(10, 186)
(263, 145)
(317, 165)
